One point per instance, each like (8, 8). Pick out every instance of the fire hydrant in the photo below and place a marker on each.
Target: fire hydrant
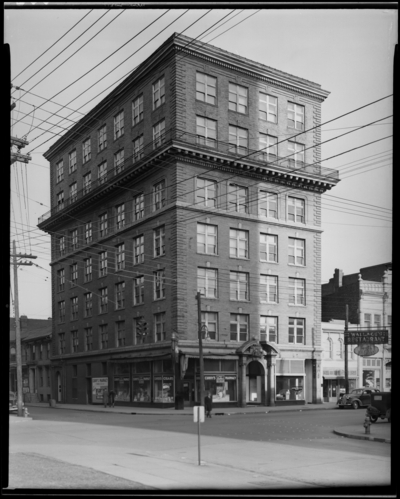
(26, 414)
(367, 425)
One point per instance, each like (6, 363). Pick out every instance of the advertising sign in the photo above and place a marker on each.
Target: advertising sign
(366, 349)
(98, 386)
(366, 336)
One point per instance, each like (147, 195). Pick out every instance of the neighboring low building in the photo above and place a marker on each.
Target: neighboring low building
(35, 355)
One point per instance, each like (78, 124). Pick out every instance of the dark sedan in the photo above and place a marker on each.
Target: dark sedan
(358, 397)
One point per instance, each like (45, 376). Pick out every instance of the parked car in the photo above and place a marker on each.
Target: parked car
(12, 402)
(381, 406)
(356, 398)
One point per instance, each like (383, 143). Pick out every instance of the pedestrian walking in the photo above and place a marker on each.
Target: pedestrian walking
(105, 397)
(208, 404)
(111, 397)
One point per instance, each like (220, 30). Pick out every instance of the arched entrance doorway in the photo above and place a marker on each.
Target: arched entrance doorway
(255, 383)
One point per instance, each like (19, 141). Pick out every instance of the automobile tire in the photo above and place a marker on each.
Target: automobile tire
(373, 419)
(355, 405)
(340, 407)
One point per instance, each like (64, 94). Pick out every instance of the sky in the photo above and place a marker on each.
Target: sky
(349, 52)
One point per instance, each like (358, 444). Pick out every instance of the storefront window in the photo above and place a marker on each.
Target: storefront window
(164, 389)
(121, 388)
(289, 388)
(222, 387)
(141, 388)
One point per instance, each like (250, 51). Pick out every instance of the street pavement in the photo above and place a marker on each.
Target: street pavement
(170, 461)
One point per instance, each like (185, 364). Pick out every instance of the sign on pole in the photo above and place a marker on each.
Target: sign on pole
(359, 336)
(198, 417)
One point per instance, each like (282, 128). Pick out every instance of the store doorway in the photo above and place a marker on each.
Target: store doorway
(255, 386)
(188, 393)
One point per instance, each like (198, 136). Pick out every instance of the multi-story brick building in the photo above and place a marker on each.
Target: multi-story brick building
(199, 172)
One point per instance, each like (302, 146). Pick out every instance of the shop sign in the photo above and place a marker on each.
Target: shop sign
(366, 336)
(158, 378)
(230, 377)
(168, 378)
(141, 379)
(220, 379)
(366, 349)
(98, 386)
(209, 377)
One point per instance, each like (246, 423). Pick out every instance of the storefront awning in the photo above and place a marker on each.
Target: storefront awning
(141, 357)
(209, 356)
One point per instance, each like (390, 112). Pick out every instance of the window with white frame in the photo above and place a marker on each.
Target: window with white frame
(268, 328)
(295, 116)
(206, 193)
(72, 161)
(73, 192)
(61, 311)
(297, 291)
(86, 150)
(138, 150)
(159, 134)
(238, 198)
(103, 264)
(238, 243)
(268, 204)
(88, 232)
(238, 140)
(239, 327)
(119, 125)
(74, 308)
(268, 289)
(159, 327)
(119, 295)
(103, 224)
(296, 154)
(88, 269)
(377, 321)
(59, 171)
(103, 302)
(88, 304)
(61, 279)
(138, 249)
(138, 290)
(138, 206)
(120, 263)
(88, 339)
(158, 92)
(74, 239)
(75, 341)
(206, 131)
(102, 172)
(137, 110)
(207, 282)
(268, 107)
(268, 146)
(367, 320)
(239, 286)
(296, 209)
(238, 98)
(119, 158)
(120, 215)
(207, 239)
(102, 138)
(158, 195)
(206, 88)
(210, 321)
(73, 272)
(159, 241)
(60, 201)
(103, 333)
(87, 183)
(159, 284)
(120, 333)
(297, 249)
(296, 330)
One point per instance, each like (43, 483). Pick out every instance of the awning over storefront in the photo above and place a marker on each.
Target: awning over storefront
(141, 356)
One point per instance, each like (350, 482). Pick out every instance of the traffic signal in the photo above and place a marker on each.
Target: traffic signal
(144, 328)
(139, 328)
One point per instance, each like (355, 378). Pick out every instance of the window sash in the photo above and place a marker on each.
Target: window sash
(121, 256)
(119, 295)
(239, 286)
(268, 108)
(103, 264)
(207, 239)
(60, 171)
(238, 140)
(159, 284)
(119, 159)
(138, 249)
(138, 151)
(269, 289)
(206, 88)
(138, 290)
(73, 192)
(238, 198)
(207, 282)
(206, 193)
(86, 150)
(102, 138)
(159, 195)
(238, 244)
(72, 161)
(296, 330)
(268, 328)
(206, 130)
(237, 98)
(159, 326)
(137, 110)
(119, 125)
(296, 154)
(295, 116)
(239, 327)
(87, 183)
(158, 93)
(296, 210)
(296, 251)
(159, 134)
(139, 206)
(297, 290)
(268, 204)
(268, 146)
(102, 172)
(159, 241)
(210, 321)
(120, 216)
(103, 224)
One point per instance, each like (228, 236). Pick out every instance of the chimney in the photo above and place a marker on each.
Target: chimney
(338, 278)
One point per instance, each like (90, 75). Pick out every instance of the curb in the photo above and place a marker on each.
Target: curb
(362, 437)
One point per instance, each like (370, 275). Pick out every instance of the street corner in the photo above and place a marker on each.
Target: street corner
(356, 433)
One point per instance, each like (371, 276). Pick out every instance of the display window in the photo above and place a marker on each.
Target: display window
(121, 388)
(141, 388)
(290, 388)
(223, 387)
(164, 388)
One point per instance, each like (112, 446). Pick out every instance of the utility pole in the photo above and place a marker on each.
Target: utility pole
(346, 361)
(17, 156)
(200, 349)
(17, 324)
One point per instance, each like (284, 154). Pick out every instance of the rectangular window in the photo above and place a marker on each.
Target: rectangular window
(238, 198)
(72, 161)
(158, 93)
(138, 250)
(102, 172)
(74, 308)
(268, 204)
(103, 264)
(210, 322)
(159, 327)
(297, 251)
(120, 333)
(88, 304)
(103, 224)
(61, 245)
(138, 150)
(137, 110)
(73, 192)
(206, 131)
(61, 311)
(238, 243)
(207, 282)
(377, 320)
(61, 279)
(159, 284)
(88, 339)
(206, 88)
(120, 256)
(73, 272)
(268, 289)
(138, 290)
(296, 330)
(88, 269)
(120, 209)
(86, 150)
(297, 291)
(60, 201)
(87, 183)
(138, 205)
(238, 140)
(239, 327)
(159, 241)
(206, 193)
(60, 171)
(103, 330)
(207, 239)
(296, 154)
(269, 329)
(74, 239)
(295, 116)
(268, 146)
(119, 158)
(119, 295)
(268, 107)
(296, 210)
(238, 98)
(367, 320)
(239, 285)
(88, 232)
(61, 343)
(119, 125)
(102, 138)
(158, 195)
(103, 303)
(159, 134)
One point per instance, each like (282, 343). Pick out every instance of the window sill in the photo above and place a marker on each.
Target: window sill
(269, 261)
(207, 103)
(206, 254)
(296, 265)
(239, 258)
(296, 305)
